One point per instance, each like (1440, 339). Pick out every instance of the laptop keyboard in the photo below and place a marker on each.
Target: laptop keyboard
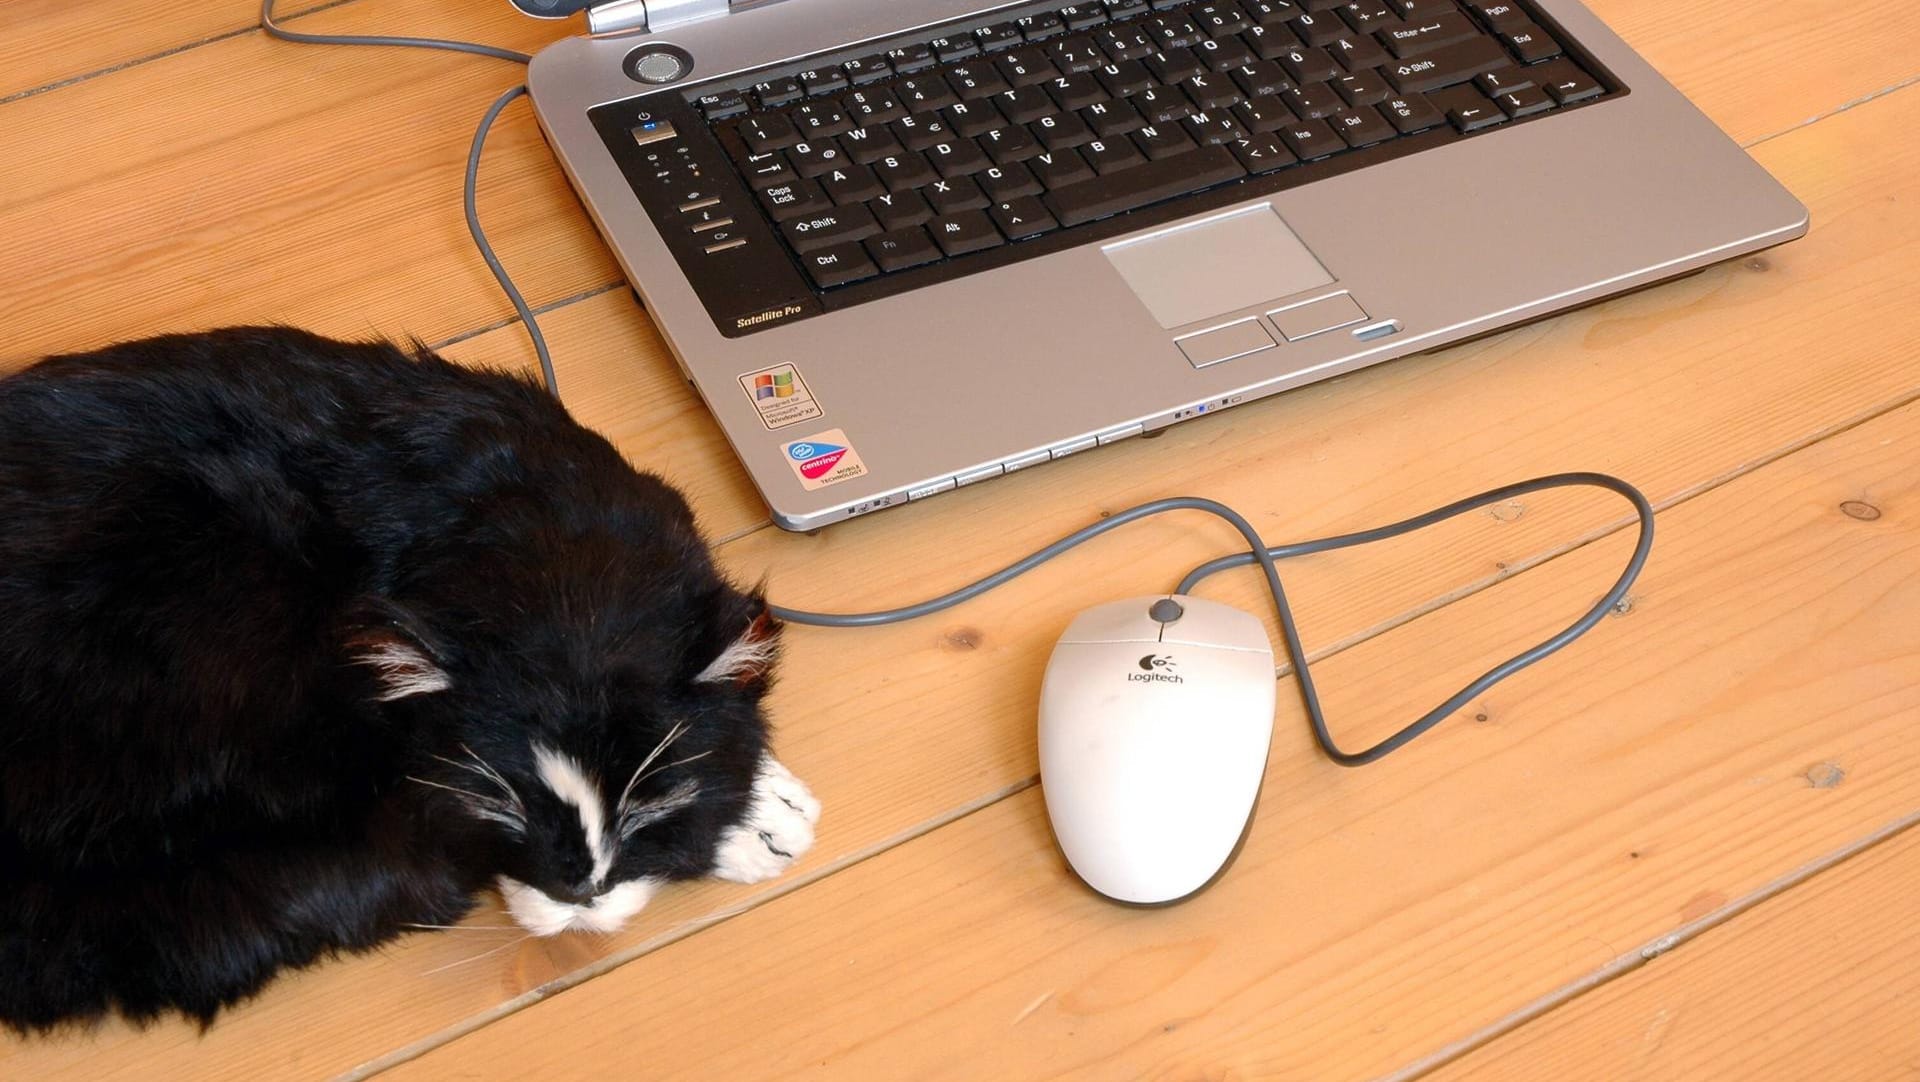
(906, 165)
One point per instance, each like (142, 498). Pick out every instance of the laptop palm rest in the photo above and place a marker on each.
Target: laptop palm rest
(1200, 269)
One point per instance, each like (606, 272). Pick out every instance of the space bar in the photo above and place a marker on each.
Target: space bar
(1143, 184)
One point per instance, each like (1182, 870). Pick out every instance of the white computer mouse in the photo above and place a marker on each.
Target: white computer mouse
(1155, 718)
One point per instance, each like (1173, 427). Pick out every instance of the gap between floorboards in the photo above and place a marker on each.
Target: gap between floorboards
(1654, 948)
(225, 35)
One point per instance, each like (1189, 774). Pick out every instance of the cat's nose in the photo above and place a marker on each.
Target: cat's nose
(578, 894)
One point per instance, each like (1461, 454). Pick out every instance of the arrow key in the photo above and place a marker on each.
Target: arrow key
(1469, 109)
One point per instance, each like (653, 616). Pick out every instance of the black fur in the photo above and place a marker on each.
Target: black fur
(201, 539)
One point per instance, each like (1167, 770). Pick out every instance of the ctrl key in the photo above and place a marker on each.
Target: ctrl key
(839, 265)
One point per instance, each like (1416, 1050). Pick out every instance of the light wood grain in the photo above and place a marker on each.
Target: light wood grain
(139, 222)
(50, 41)
(900, 727)
(1822, 983)
(253, 179)
(1374, 915)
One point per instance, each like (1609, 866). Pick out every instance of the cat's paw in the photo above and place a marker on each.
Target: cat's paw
(777, 830)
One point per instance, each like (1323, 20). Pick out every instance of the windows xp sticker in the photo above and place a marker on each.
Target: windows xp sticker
(823, 459)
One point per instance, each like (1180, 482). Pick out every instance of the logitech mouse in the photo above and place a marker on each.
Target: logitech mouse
(1155, 718)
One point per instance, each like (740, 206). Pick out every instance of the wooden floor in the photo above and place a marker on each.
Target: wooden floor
(1681, 850)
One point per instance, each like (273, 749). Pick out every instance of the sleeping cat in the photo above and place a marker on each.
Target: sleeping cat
(304, 643)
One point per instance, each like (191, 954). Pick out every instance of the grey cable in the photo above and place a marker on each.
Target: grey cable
(470, 197)
(281, 32)
(470, 189)
(1266, 557)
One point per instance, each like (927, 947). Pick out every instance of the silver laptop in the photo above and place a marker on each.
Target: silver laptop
(905, 246)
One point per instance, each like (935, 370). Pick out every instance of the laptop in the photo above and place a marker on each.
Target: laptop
(901, 247)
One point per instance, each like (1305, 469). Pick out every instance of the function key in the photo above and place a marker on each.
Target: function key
(722, 104)
(997, 36)
(1041, 26)
(777, 92)
(911, 58)
(954, 48)
(822, 81)
(1083, 16)
(867, 69)
(1126, 9)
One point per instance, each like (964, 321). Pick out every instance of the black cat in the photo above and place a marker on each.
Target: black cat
(303, 643)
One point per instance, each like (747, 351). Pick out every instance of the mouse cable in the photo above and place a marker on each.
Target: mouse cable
(276, 30)
(469, 189)
(1266, 557)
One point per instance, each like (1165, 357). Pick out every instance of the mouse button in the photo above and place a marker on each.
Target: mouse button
(1117, 621)
(1209, 623)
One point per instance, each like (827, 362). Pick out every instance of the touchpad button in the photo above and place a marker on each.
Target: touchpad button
(1190, 272)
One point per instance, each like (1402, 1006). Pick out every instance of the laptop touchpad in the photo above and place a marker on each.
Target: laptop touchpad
(1201, 269)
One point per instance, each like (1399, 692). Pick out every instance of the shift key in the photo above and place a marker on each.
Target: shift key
(812, 232)
(1446, 66)
(1143, 185)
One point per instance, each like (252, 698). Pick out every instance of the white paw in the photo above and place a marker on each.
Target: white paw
(777, 830)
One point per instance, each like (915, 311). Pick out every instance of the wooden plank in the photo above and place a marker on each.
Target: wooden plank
(897, 728)
(252, 180)
(1821, 982)
(1374, 915)
(50, 41)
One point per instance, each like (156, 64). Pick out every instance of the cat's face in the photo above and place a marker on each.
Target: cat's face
(594, 761)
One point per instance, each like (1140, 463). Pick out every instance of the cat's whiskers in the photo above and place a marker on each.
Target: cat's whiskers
(498, 779)
(462, 927)
(486, 807)
(483, 954)
(670, 766)
(510, 797)
(673, 734)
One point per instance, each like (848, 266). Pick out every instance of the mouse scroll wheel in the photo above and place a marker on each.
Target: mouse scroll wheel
(1166, 610)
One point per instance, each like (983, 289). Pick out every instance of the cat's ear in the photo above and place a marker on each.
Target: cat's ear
(403, 660)
(746, 660)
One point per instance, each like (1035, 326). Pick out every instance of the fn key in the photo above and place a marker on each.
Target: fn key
(839, 265)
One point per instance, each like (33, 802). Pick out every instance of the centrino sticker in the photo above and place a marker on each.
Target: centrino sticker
(826, 458)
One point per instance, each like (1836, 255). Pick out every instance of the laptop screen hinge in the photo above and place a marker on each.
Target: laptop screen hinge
(651, 15)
